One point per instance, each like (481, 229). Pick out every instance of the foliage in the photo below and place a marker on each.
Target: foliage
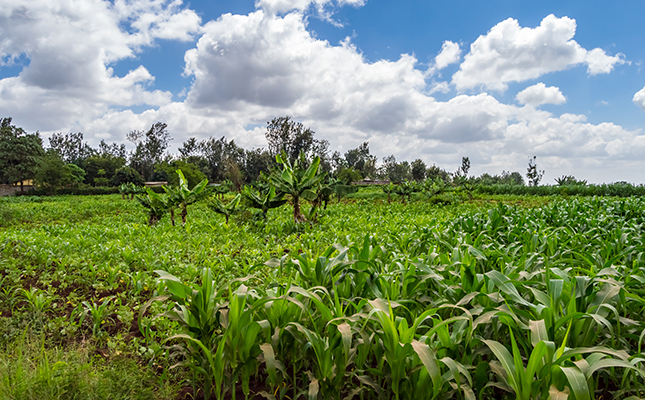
(126, 175)
(500, 298)
(568, 180)
(287, 136)
(150, 148)
(53, 173)
(297, 181)
(182, 196)
(106, 163)
(462, 172)
(191, 173)
(348, 175)
(418, 170)
(70, 148)
(395, 171)
(227, 210)
(533, 174)
(20, 153)
(156, 204)
(263, 200)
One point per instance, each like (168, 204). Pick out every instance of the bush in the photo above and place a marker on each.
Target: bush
(618, 189)
(79, 191)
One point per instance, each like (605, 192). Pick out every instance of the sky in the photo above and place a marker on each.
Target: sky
(498, 81)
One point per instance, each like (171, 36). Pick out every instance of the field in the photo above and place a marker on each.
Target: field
(499, 297)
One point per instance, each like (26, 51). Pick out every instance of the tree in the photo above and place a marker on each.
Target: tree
(71, 147)
(349, 175)
(182, 196)
(533, 174)
(257, 161)
(20, 153)
(192, 174)
(296, 181)
(286, 135)
(219, 152)
(151, 147)
(219, 207)
(102, 161)
(53, 173)
(418, 170)
(263, 200)
(125, 175)
(435, 172)
(112, 150)
(395, 171)
(234, 174)
(190, 148)
(464, 168)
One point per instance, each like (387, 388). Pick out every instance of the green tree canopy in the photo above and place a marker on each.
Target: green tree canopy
(20, 153)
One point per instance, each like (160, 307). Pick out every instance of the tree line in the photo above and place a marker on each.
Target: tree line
(69, 160)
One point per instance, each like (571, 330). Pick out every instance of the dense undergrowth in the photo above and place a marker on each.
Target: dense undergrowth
(529, 298)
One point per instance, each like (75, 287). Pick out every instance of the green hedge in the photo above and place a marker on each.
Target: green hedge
(79, 191)
(613, 189)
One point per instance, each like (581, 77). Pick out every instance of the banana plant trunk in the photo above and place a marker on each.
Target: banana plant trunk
(172, 216)
(297, 215)
(184, 214)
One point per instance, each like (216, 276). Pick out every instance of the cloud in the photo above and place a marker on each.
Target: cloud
(639, 98)
(510, 53)
(450, 54)
(285, 6)
(540, 94)
(70, 47)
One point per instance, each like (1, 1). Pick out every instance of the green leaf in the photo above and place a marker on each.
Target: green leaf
(577, 382)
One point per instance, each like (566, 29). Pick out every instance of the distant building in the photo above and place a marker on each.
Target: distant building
(370, 181)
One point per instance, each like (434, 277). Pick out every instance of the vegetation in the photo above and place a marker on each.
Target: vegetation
(479, 299)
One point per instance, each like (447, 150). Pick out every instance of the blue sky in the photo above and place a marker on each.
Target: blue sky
(496, 81)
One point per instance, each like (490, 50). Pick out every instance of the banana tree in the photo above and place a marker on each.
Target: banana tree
(297, 181)
(156, 204)
(389, 189)
(263, 200)
(219, 207)
(183, 197)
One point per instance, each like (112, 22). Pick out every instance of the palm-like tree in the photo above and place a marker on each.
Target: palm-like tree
(182, 197)
(155, 203)
(263, 200)
(219, 207)
(297, 181)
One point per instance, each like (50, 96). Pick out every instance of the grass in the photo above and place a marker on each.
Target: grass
(30, 370)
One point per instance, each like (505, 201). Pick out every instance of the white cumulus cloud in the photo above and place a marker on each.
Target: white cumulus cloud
(540, 94)
(511, 53)
(450, 54)
(70, 46)
(639, 98)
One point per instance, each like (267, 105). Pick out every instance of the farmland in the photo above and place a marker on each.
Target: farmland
(499, 297)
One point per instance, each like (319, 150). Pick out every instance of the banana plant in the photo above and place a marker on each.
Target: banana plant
(262, 200)
(219, 207)
(405, 189)
(182, 197)
(156, 204)
(389, 190)
(297, 181)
